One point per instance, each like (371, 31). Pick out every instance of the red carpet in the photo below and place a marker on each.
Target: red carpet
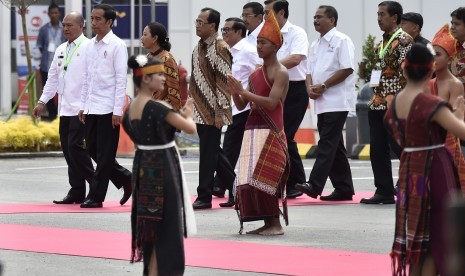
(226, 255)
(114, 206)
(108, 207)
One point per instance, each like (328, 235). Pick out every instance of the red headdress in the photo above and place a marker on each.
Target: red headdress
(271, 30)
(444, 39)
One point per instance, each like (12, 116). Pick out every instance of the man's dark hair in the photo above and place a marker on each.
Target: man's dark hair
(214, 16)
(239, 24)
(108, 12)
(393, 8)
(281, 5)
(459, 14)
(53, 6)
(330, 12)
(269, 1)
(256, 7)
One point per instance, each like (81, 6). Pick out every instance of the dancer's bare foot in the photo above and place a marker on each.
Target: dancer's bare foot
(257, 231)
(272, 231)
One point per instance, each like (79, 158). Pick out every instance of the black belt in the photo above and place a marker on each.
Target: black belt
(296, 82)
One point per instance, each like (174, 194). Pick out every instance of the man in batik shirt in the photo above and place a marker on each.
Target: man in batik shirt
(387, 80)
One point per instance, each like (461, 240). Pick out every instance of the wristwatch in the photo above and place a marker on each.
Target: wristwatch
(40, 102)
(323, 85)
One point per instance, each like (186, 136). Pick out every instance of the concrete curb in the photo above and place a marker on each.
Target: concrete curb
(307, 151)
(361, 151)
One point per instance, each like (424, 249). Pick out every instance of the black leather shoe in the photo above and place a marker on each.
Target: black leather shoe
(69, 200)
(89, 203)
(336, 196)
(378, 199)
(218, 192)
(293, 193)
(201, 205)
(308, 189)
(229, 203)
(127, 193)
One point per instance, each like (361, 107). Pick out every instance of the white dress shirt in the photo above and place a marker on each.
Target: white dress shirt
(327, 55)
(104, 87)
(295, 42)
(245, 60)
(252, 37)
(67, 84)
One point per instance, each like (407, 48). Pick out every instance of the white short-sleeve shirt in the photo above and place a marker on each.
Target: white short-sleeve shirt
(245, 60)
(327, 55)
(295, 42)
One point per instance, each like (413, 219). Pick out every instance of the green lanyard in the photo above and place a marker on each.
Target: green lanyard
(68, 57)
(384, 49)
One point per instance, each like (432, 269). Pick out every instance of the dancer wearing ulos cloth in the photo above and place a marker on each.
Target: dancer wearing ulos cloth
(161, 209)
(427, 174)
(449, 88)
(263, 165)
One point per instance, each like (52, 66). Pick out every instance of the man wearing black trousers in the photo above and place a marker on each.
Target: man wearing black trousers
(102, 100)
(333, 89)
(390, 54)
(71, 55)
(211, 63)
(245, 60)
(293, 55)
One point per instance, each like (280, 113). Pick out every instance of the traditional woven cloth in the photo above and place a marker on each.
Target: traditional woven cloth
(211, 63)
(172, 92)
(457, 66)
(444, 39)
(420, 207)
(452, 143)
(263, 165)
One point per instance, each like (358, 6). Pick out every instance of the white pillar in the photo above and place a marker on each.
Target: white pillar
(181, 30)
(5, 60)
(73, 5)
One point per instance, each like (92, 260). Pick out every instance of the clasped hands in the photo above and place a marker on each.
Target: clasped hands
(315, 91)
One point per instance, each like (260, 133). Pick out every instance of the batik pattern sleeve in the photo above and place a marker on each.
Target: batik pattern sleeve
(223, 63)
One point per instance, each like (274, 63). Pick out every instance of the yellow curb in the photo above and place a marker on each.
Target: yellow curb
(365, 153)
(303, 149)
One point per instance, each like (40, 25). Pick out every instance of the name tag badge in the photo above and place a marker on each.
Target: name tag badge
(51, 47)
(61, 84)
(375, 78)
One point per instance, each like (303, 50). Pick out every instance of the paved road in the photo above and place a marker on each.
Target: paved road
(350, 227)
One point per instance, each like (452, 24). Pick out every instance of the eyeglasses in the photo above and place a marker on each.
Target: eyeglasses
(200, 23)
(245, 16)
(225, 30)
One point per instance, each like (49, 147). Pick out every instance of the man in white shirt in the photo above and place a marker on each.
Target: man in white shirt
(102, 100)
(244, 62)
(70, 55)
(331, 83)
(252, 14)
(293, 55)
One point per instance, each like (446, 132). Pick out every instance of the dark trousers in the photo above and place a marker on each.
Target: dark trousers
(295, 107)
(51, 107)
(102, 143)
(232, 143)
(212, 159)
(80, 167)
(381, 143)
(331, 159)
